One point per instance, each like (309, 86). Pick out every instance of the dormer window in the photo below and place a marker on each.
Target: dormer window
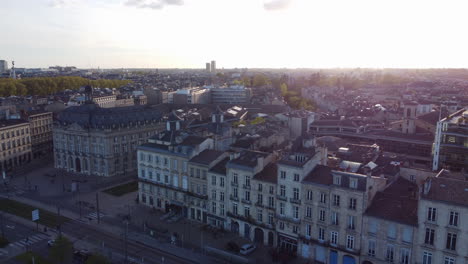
(353, 183)
(337, 180)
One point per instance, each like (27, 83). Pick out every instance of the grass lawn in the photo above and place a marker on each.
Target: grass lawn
(27, 258)
(123, 189)
(25, 211)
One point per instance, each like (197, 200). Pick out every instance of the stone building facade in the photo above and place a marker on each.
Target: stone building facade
(15, 144)
(40, 123)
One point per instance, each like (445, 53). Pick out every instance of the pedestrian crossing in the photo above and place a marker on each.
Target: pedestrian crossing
(29, 241)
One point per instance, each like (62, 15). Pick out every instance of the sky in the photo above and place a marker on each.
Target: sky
(235, 33)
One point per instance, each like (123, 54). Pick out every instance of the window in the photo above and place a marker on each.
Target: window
(309, 195)
(322, 215)
(260, 199)
(431, 214)
(353, 183)
(143, 173)
(296, 193)
(371, 248)
(271, 202)
(272, 190)
(191, 172)
(281, 225)
(213, 180)
(429, 237)
(213, 194)
(389, 256)
(336, 200)
(198, 173)
(308, 212)
(235, 192)
(234, 209)
(235, 178)
(404, 256)
(296, 177)
(295, 229)
(334, 238)
(449, 260)
(283, 174)
(453, 220)
(451, 241)
(247, 180)
(349, 242)
(281, 208)
(321, 235)
(259, 215)
(308, 230)
(391, 231)
(213, 208)
(427, 258)
(221, 209)
(221, 196)
(334, 218)
(270, 218)
(323, 198)
(221, 181)
(351, 222)
(407, 235)
(296, 212)
(337, 180)
(372, 226)
(282, 190)
(352, 203)
(247, 196)
(260, 187)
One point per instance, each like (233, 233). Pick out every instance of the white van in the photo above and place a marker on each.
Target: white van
(247, 249)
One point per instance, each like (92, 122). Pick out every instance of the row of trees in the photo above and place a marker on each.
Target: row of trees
(51, 85)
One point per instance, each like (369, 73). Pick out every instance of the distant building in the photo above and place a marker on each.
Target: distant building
(15, 148)
(208, 67)
(92, 140)
(195, 95)
(213, 66)
(40, 123)
(231, 95)
(451, 142)
(3, 66)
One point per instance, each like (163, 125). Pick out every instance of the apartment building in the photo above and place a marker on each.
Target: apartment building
(218, 184)
(442, 214)
(40, 123)
(15, 147)
(241, 170)
(390, 225)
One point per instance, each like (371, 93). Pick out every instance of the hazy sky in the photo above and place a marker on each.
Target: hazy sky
(236, 33)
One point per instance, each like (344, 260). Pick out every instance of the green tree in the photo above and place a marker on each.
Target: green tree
(259, 80)
(257, 120)
(284, 89)
(97, 259)
(62, 251)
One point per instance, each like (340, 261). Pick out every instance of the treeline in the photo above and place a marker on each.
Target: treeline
(52, 85)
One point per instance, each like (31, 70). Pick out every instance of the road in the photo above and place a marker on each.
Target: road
(116, 244)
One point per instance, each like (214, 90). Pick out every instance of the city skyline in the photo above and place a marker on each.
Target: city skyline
(245, 33)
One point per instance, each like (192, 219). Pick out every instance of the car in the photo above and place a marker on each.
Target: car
(247, 249)
(82, 255)
(51, 243)
(232, 246)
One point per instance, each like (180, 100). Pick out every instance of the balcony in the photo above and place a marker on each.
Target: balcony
(247, 187)
(236, 199)
(259, 204)
(283, 198)
(296, 201)
(288, 219)
(246, 201)
(234, 184)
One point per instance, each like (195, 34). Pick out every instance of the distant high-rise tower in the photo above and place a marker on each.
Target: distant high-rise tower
(208, 67)
(213, 66)
(3, 66)
(13, 72)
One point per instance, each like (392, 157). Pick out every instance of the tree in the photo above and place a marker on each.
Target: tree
(260, 80)
(257, 120)
(62, 251)
(284, 89)
(97, 259)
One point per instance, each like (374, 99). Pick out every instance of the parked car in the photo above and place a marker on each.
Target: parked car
(81, 255)
(247, 249)
(51, 243)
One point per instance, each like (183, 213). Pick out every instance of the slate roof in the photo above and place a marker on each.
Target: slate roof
(91, 115)
(324, 175)
(268, 174)
(433, 117)
(397, 203)
(248, 158)
(220, 167)
(206, 156)
(11, 122)
(447, 190)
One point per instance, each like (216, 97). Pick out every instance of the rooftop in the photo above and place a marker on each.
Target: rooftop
(220, 167)
(207, 156)
(443, 189)
(11, 122)
(268, 174)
